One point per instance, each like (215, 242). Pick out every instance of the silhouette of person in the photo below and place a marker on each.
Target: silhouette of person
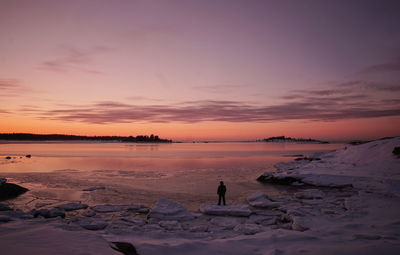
(221, 192)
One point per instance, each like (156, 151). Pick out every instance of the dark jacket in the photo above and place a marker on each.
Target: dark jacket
(221, 189)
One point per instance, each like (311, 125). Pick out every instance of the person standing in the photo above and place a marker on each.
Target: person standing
(221, 193)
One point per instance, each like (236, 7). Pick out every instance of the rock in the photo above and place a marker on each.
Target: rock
(396, 151)
(72, 206)
(28, 156)
(4, 218)
(124, 247)
(272, 178)
(226, 222)
(300, 224)
(143, 210)
(8, 157)
(170, 225)
(89, 213)
(3, 180)
(5, 207)
(10, 190)
(310, 194)
(92, 224)
(48, 213)
(261, 200)
(248, 229)
(226, 210)
(166, 209)
(94, 188)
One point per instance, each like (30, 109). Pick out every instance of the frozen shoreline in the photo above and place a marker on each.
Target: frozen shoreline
(330, 218)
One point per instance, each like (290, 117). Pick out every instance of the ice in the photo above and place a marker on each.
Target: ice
(72, 206)
(226, 210)
(170, 225)
(248, 229)
(116, 208)
(166, 209)
(226, 222)
(92, 224)
(261, 200)
(300, 223)
(310, 194)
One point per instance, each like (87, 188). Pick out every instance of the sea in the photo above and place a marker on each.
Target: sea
(142, 173)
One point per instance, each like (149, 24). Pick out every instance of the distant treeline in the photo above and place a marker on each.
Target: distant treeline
(57, 137)
(289, 139)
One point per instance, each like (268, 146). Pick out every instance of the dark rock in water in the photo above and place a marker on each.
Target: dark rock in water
(8, 157)
(4, 218)
(28, 156)
(272, 179)
(11, 190)
(4, 207)
(396, 151)
(307, 158)
(124, 248)
(48, 213)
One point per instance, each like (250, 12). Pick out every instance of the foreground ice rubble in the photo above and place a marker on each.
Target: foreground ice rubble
(227, 210)
(166, 209)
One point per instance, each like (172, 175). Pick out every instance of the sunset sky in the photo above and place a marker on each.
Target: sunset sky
(225, 70)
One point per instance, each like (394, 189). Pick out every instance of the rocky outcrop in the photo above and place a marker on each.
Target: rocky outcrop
(10, 190)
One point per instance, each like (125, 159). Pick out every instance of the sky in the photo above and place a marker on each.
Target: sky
(201, 70)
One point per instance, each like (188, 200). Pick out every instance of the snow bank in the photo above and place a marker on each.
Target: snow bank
(370, 166)
(38, 237)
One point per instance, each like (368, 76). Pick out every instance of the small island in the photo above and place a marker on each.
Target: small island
(57, 137)
(283, 139)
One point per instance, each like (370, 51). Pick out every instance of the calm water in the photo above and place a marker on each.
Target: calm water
(142, 173)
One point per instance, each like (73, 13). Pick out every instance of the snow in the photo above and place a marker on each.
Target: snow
(371, 166)
(352, 208)
(117, 208)
(260, 199)
(227, 210)
(309, 194)
(166, 209)
(38, 237)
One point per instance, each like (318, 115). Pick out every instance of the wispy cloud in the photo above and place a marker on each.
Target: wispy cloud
(335, 103)
(219, 89)
(12, 88)
(390, 66)
(70, 58)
